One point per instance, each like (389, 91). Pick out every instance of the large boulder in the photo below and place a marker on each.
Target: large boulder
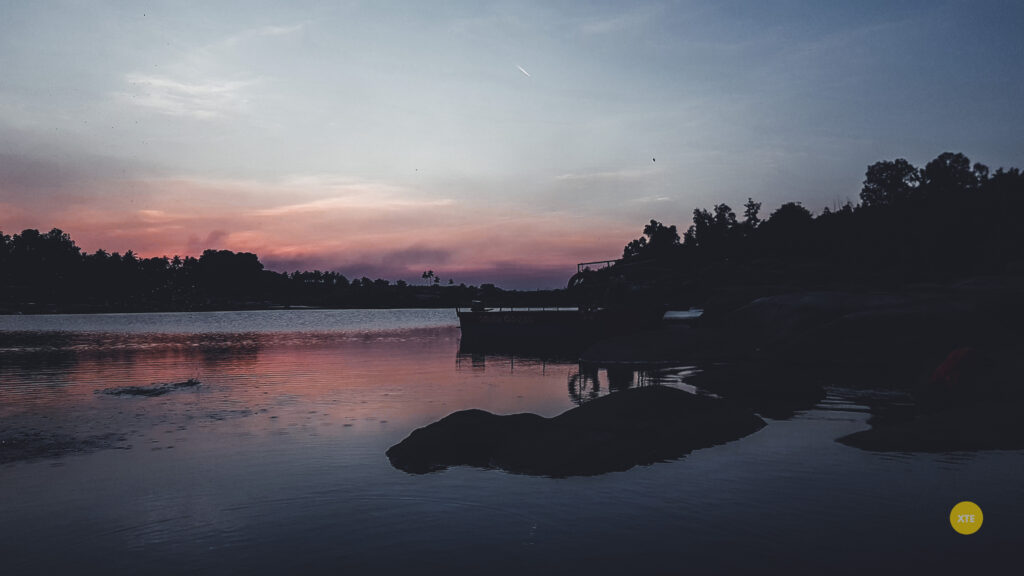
(615, 432)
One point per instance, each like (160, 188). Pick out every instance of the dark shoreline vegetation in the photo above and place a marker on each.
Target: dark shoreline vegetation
(947, 221)
(944, 222)
(46, 273)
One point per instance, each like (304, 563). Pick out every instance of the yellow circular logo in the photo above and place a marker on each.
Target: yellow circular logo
(965, 517)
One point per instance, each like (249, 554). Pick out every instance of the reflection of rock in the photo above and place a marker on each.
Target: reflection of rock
(972, 401)
(614, 432)
(154, 390)
(31, 444)
(773, 390)
(981, 426)
(970, 374)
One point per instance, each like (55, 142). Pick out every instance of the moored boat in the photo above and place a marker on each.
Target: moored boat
(549, 329)
(608, 305)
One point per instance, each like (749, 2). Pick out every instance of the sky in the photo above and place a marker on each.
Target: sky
(494, 142)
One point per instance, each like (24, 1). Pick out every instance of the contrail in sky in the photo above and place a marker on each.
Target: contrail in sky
(521, 70)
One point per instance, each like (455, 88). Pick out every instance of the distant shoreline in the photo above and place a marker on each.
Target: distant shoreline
(240, 308)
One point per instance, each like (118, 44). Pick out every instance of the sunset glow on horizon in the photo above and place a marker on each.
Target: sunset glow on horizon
(495, 143)
(361, 229)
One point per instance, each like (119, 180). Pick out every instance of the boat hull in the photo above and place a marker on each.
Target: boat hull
(555, 331)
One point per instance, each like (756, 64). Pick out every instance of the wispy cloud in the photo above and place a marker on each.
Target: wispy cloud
(353, 201)
(203, 100)
(651, 199)
(331, 192)
(196, 88)
(153, 215)
(262, 31)
(604, 175)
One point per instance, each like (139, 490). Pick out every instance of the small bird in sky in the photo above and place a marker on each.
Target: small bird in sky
(523, 71)
(653, 160)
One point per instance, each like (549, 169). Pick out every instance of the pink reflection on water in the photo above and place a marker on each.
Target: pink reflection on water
(311, 384)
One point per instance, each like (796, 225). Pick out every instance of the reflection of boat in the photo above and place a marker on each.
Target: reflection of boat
(561, 329)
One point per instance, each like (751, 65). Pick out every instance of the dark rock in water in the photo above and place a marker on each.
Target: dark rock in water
(154, 390)
(612, 433)
(771, 389)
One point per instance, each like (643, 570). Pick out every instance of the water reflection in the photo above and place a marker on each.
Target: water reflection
(774, 391)
(585, 382)
(478, 362)
(281, 448)
(583, 379)
(268, 383)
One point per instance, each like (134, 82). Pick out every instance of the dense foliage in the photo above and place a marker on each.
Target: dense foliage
(948, 220)
(43, 272)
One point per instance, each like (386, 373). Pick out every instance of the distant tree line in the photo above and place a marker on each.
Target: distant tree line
(47, 272)
(949, 219)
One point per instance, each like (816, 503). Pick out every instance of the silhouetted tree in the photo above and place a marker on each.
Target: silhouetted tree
(659, 240)
(887, 182)
(635, 247)
(750, 215)
(42, 267)
(787, 230)
(712, 232)
(949, 174)
(5, 250)
(790, 215)
(725, 218)
(660, 236)
(226, 274)
(699, 233)
(980, 172)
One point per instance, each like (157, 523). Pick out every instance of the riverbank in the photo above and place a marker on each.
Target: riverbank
(955, 350)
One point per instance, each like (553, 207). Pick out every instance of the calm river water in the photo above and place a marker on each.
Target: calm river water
(275, 464)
